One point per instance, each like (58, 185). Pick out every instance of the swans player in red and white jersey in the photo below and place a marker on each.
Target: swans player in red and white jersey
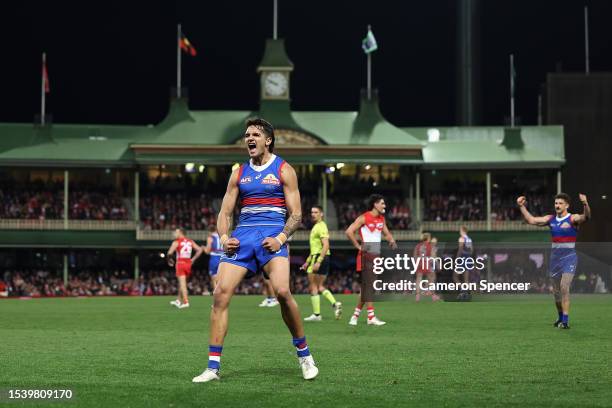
(184, 248)
(371, 226)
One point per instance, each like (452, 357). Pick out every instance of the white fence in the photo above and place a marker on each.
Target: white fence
(83, 225)
(477, 226)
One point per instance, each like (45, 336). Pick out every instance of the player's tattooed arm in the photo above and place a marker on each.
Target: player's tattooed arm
(530, 219)
(294, 208)
(586, 214)
(224, 220)
(292, 201)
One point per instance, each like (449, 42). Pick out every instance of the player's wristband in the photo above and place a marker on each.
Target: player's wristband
(279, 241)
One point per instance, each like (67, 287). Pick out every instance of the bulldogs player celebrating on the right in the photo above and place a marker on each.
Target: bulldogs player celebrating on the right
(563, 259)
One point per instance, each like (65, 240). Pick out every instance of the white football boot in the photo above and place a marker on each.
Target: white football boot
(183, 305)
(313, 318)
(272, 303)
(176, 303)
(354, 320)
(206, 376)
(375, 321)
(309, 369)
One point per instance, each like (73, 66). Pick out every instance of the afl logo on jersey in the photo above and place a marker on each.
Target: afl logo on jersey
(271, 179)
(246, 180)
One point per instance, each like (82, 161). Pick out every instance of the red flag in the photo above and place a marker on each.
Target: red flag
(45, 77)
(186, 46)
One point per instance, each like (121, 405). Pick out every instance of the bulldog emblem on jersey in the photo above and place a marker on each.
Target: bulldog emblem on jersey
(271, 180)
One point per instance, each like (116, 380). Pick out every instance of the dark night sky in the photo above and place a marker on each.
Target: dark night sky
(114, 62)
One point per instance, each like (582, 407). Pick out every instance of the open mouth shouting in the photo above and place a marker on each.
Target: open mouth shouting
(252, 147)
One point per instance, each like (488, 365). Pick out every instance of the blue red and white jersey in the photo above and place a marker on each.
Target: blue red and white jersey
(563, 231)
(262, 198)
(216, 247)
(468, 245)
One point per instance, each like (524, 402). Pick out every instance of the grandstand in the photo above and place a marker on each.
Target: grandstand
(69, 189)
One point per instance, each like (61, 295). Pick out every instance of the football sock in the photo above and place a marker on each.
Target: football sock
(328, 295)
(357, 312)
(214, 357)
(316, 304)
(565, 318)
(370, 312)
(301, 346)
(560, 316)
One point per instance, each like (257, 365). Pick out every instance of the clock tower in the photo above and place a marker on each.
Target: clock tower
(274, 70)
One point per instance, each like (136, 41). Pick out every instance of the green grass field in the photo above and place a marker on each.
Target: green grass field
(141, 352)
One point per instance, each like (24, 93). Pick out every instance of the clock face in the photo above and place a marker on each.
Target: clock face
(275, 84)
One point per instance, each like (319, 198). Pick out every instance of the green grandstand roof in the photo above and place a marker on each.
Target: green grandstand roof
(340, 136)
(493, 147)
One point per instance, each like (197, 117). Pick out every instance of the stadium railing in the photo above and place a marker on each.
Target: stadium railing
(91, 225)
(301, 235)
(477, 226)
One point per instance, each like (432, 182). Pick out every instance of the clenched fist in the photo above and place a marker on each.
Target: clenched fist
(521, 201)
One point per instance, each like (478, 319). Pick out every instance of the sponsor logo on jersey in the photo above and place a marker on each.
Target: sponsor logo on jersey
(566, 225)
(271, 179)
(246, 180)
(257, 177)
(379, 225)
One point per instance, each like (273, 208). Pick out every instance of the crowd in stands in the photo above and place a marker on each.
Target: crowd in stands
(35, 201)
(43, 283)
(504, 208)
(40, 200)
(472, 206)
(39, 283)
(173, 210)
(455, 207)
(398, 215)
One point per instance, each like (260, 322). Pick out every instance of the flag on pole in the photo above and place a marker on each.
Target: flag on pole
(45, 75)
(186, 46)
(369, 44)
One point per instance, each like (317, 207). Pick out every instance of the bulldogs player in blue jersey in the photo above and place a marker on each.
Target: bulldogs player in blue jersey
(563, 258)
(215, 250)
(270, 212)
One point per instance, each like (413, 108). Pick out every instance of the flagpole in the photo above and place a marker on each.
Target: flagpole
(42, 89)
(369, 70)
(586, 40)
(540, 119)
(178, 61)
(275, 20)
(512, 85)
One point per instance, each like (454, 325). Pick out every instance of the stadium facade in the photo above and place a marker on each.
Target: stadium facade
(327, 143)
